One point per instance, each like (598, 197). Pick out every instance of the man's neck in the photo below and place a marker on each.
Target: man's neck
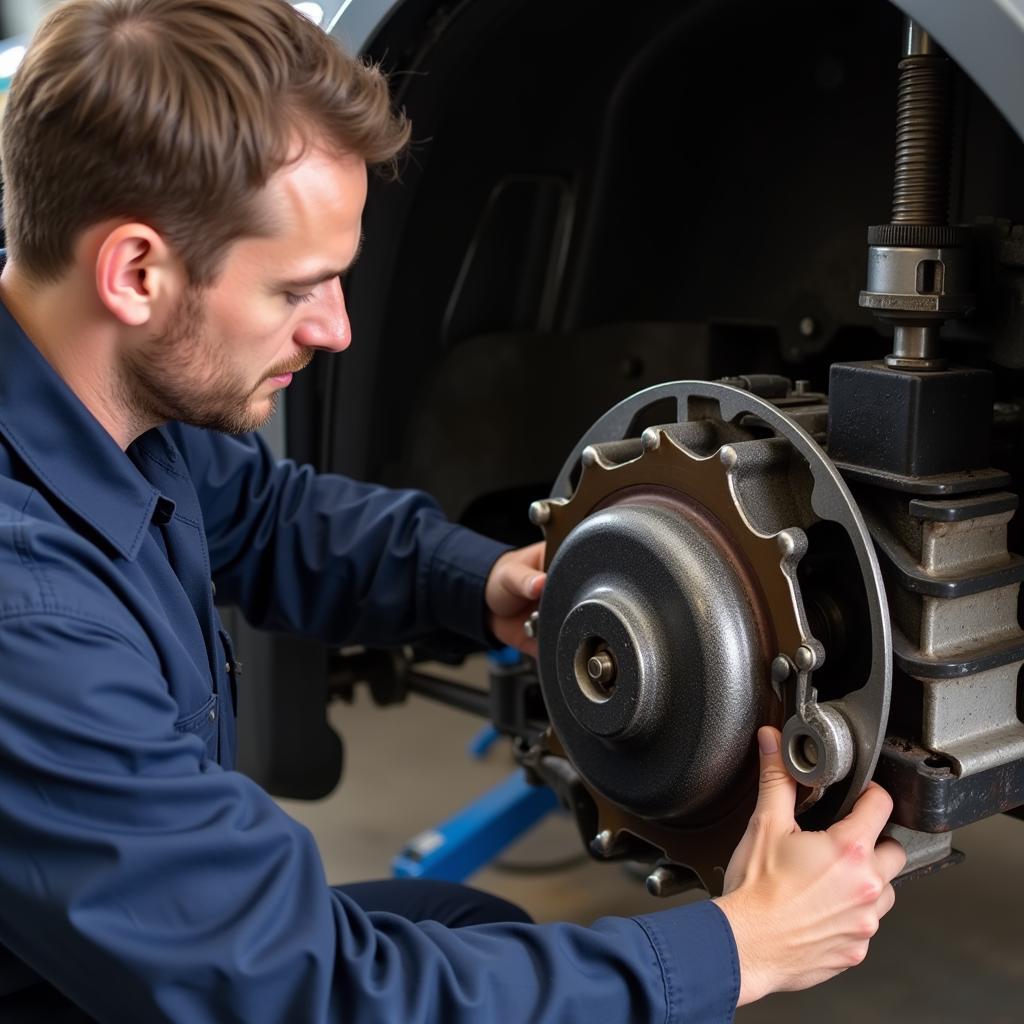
(64, 321)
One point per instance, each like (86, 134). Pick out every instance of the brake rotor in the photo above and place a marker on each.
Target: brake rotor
(686, 562)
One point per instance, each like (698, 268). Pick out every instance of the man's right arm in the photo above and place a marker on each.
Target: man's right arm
(148, 884)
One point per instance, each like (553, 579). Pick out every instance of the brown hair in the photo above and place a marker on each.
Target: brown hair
(175, 113)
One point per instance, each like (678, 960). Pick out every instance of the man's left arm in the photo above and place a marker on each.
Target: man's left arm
(328, 557)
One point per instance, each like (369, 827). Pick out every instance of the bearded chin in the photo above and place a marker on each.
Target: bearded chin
(182, 375)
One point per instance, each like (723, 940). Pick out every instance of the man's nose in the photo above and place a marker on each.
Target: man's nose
(325, 324)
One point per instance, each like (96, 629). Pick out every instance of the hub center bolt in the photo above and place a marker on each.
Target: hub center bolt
(601, 669)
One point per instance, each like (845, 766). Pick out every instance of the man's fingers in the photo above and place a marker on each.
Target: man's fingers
(886, 901)
(534, 554)
(776, 796)
(868, 817)
(891, 858)
(516, 581)
(528, 647)
(524, 574)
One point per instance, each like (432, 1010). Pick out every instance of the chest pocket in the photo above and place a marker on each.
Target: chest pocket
(203, 723)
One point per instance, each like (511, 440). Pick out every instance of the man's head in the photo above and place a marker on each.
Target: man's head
(196, 159)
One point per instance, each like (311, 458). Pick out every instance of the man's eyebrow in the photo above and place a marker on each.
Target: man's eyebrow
(319, 278)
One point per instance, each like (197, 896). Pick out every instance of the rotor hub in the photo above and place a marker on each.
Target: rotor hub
(659, 653)
(673, 622)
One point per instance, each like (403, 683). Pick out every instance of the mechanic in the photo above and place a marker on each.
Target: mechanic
(184, 187)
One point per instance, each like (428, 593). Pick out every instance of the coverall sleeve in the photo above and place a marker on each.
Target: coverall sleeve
(149, 885)
(328, 557)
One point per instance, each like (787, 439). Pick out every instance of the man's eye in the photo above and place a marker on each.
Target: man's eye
(294, 298)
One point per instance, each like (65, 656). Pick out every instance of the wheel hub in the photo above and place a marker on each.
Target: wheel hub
(646, 664)
(673, 623)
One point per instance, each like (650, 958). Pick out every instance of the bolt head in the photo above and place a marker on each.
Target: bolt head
(540, 513)
(780, 668)
(603, 843)
(601, 668)
(804, 659)
(650, 439)
(656, 881)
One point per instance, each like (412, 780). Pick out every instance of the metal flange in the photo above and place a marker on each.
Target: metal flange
(672, 607)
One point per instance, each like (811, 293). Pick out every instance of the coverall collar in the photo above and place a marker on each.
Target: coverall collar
(68, 450)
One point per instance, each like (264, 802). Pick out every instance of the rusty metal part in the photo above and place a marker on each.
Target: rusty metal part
(629, 588)
(705, 482)
(714, 505)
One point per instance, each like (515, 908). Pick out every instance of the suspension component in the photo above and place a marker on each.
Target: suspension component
(913, 438)
(918, 268)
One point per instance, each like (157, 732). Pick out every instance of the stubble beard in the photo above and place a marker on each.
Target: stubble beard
(182, 375)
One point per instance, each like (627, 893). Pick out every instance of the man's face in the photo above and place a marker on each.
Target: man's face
(229, 349)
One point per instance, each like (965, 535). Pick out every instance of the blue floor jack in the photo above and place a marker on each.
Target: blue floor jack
(475, 835)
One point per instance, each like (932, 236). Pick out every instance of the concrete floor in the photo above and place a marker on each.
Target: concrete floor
(952, 950)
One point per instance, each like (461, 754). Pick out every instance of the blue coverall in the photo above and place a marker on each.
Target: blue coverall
(141, 878)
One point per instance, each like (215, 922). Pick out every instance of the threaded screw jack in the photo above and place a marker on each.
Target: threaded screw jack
(923, 140)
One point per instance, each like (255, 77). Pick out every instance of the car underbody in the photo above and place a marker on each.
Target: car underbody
(653, 287)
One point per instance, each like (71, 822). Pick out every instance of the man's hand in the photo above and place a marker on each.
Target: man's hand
(512, 592)
(803, 905)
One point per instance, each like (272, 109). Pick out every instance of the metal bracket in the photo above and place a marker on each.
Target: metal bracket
(817, 745)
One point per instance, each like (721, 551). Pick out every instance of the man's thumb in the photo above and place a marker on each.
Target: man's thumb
(533, 584)
(776, 789)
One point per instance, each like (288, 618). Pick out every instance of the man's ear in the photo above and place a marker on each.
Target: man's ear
(137, 275)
